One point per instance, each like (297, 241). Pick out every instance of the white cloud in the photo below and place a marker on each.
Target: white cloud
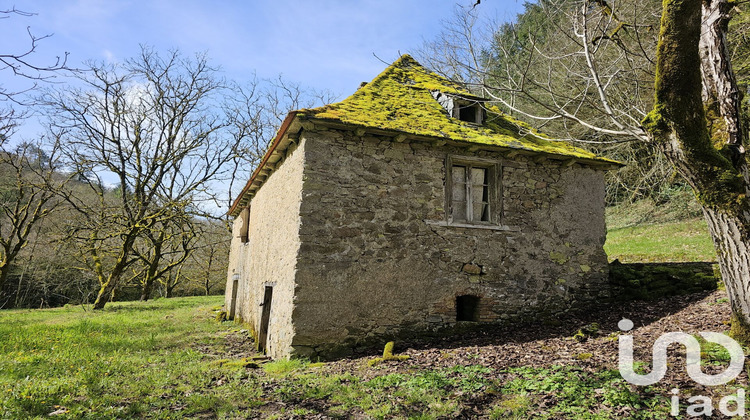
(109, 56)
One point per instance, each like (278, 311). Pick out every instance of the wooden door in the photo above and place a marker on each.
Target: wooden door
(265, 318)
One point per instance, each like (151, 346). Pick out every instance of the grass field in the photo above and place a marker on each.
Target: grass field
(166, 359)
(125, 361)
(682, 241)
(670, 232)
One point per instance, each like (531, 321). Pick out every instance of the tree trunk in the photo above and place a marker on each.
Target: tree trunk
(106, 292)
(4, 271)
(207, 278)
(153, 267)
(148, 283)
(730, 235)
(146, 290)
(108, 287)
(6, 265)
(696, 123)
(110, 282)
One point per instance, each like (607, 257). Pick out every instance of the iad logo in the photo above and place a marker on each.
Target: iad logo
(693, 348)
(693, 366)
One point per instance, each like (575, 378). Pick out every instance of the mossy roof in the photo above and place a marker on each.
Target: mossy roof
(400, 99)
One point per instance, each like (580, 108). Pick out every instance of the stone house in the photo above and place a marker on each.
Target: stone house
(411, 206)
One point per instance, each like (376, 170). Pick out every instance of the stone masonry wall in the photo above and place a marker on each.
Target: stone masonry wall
(269, 257)
(377, 258)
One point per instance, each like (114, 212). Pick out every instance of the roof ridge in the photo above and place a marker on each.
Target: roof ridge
(404, 62)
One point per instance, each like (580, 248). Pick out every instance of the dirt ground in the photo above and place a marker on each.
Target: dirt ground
(538, 345)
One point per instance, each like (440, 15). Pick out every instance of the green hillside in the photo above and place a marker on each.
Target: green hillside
(673, 231)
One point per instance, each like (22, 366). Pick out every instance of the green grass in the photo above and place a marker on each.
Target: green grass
(424, 394)
(160, 360)
(682, 241)
(283, 368)
(670, 231)
(577, 394)
(125, 361)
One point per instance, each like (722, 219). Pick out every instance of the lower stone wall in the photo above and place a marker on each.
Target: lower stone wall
(651, 281)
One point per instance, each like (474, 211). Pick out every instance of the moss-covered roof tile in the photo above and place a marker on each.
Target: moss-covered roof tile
(401, 99)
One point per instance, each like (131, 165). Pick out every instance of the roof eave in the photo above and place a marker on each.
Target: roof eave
(400, 136)
(280, 143)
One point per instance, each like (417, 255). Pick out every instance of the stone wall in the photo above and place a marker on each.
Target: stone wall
(269, 257)
(377, 257)
(652, 281)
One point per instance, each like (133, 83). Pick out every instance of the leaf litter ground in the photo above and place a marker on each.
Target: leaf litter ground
(543, 370)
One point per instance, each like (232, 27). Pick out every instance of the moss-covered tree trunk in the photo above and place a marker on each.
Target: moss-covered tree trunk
(148, 286)
(730, 235)
(107, 289)
(696, 122)
(151, 273)
(109, 282)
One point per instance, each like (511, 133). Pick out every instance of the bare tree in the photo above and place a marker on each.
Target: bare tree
(586, 75)
(171, 280)
(210, 258)
(19, 63)
(154, 126)
(163, 248)
(206, 264)
(250, 126)
(168, 132)
(257, 109)
(29, 174)
(578, 70)
(28, 184)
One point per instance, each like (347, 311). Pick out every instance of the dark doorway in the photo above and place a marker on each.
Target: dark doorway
(264, 319)
(467, 308)
(233, 303)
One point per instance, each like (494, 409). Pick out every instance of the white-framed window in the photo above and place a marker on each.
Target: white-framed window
(472, 191)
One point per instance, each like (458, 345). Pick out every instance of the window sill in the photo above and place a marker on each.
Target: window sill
(474, 226)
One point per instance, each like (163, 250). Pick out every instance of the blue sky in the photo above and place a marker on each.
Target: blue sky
(331, 45)
(322, 44)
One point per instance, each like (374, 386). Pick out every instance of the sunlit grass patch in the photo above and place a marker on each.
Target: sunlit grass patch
(127, 359)
(285, 367)
(683, 241)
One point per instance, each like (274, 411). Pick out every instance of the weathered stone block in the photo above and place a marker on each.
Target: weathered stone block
(472, 269)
